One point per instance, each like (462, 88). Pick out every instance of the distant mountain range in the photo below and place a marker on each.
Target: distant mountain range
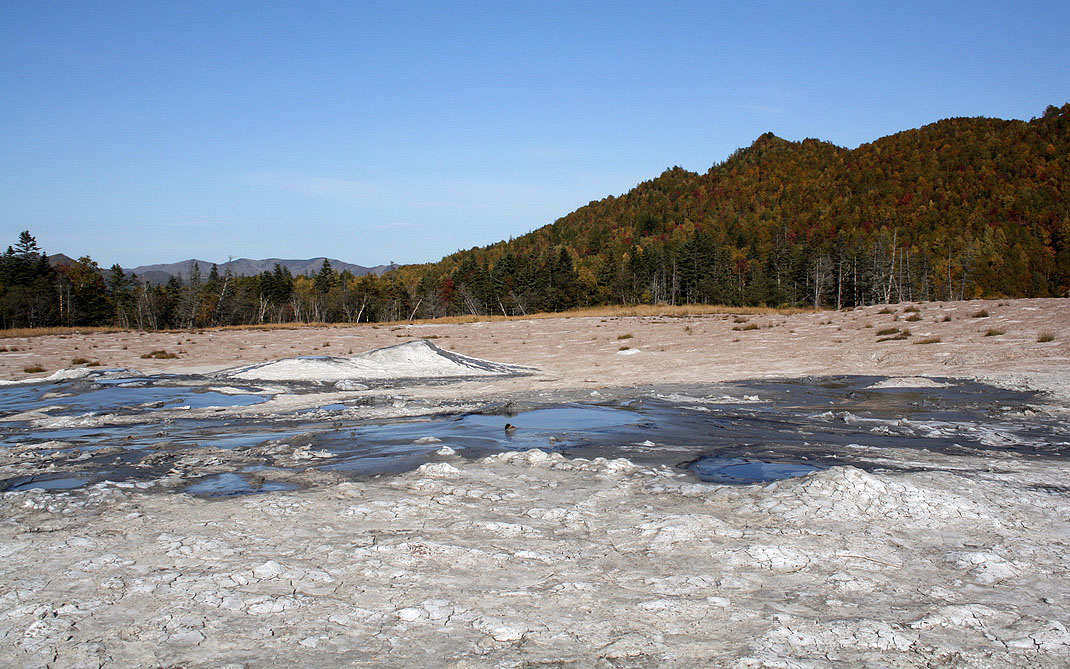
(241, 267)
(247, 267)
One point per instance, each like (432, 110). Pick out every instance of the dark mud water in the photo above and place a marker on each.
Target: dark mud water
(744, 432)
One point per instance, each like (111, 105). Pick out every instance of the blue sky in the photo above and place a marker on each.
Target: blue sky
(145, 132)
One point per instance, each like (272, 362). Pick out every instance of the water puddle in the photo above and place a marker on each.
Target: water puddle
(736, 470)
(117, 396)
(62, 483)
(234, 484)
(739, 433)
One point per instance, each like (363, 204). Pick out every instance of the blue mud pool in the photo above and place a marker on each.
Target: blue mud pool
(120, 428)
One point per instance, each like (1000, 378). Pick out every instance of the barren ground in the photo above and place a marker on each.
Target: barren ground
(529, 558)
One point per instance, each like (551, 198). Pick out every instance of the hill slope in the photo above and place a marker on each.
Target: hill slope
(957, 208)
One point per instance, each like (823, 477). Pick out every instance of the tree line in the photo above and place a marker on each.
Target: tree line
(957, 209)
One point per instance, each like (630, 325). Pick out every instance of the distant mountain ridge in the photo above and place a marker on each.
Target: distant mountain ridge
(161, 273)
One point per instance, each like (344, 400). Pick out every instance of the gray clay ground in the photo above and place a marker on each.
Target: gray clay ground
(528, 558)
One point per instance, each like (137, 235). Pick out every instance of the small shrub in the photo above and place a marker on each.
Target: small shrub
(3, 349)
(624, 348)
(868, 325)
(886, 310)
(983, 313)
(94, 363)
(993, 332)
(158, 355)
(946, 318)
(903, 334)
(33, 369)
(739, 319)
(79, 361)
(625, 336)
(927, 340)
(911, 310)
(326, 344)
(913, 318)
(1046, 336)
(688, 330)
(887, 331)
(748, 326)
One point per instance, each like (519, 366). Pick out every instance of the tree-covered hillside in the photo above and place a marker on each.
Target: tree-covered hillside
(960, 208)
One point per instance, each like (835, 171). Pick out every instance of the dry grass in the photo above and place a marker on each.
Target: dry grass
(43, 332)
(928, 340)
(640, 310)
(994, 332)
(159, 355)
(900, 334)
(1045, 337)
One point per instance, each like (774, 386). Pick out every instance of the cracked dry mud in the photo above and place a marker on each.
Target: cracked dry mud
(528, 558)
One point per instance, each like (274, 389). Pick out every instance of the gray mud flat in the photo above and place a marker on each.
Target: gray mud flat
(167, 521)
(534, 558)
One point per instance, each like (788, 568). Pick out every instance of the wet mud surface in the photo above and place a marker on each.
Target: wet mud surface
(190, 433)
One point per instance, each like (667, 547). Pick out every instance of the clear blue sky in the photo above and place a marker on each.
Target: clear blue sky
(145, 132)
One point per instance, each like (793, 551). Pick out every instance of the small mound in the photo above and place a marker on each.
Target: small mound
(850, 494)
(909, 382)
(412, 360)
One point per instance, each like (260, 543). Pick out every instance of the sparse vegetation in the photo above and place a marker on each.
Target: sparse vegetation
(158, 355)
(625, 336)
(946, 318)
(1046, 337)
(902, 334)
(911, 310)
(913, 318)
(79, 361)
(887, 331)
(886, 310)
(33, 369)
(748, 326)
(983, 313)
(928, 340)
(994, 332)
(624, 348)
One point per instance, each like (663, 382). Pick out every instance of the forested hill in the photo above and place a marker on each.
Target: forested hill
(957, 208)
(960, 208)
